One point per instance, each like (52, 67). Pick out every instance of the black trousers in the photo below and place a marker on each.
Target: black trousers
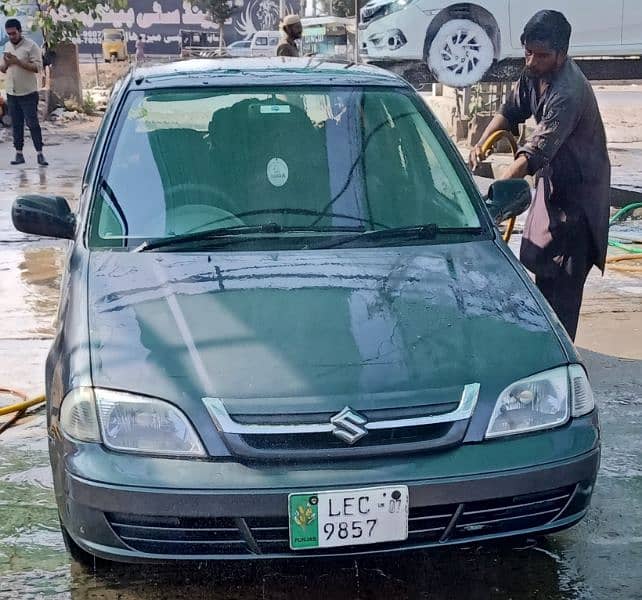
(564, 290)
(24, 109)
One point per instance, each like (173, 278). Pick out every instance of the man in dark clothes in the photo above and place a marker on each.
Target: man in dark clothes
(569, 144)
(293, 30)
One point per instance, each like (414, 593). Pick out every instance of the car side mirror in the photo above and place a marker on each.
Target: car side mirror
(48, 216)
(508, 198)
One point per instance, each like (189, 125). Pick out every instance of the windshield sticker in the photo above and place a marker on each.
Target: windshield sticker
(277, 172)
(275, 109)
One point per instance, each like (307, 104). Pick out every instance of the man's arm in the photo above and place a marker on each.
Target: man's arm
(558, 123)
(515, 110)
(518, 169)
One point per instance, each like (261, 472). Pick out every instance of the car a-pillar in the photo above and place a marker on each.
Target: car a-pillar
(461, 44)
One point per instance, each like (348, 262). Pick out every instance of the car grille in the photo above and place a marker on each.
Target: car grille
(391, 428)
(428, 525)
(179, 535)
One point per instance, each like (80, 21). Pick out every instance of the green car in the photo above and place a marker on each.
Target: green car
(289, 327)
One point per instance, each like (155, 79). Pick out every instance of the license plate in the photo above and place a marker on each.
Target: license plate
(348, 517)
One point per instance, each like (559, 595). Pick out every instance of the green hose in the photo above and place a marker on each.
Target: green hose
(616, 217)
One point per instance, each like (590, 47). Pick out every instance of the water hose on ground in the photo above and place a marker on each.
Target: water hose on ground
(632, 252)
(485, 151)
(19, 407)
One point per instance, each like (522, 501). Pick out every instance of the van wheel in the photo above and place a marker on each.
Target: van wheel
(81, 556)
(460, 53)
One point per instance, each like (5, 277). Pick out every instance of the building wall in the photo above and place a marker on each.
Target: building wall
(160, 22)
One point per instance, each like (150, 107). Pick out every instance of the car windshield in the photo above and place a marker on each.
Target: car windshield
(113, 36)
(287, 168)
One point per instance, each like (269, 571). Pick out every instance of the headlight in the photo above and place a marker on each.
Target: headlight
(396, 6)
(583, 401)
(376, 10)
(128, 423)
(542, 401)
(78, 415)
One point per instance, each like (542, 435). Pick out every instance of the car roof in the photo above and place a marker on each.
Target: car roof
(261, 71)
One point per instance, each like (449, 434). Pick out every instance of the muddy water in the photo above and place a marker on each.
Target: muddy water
(600, 558)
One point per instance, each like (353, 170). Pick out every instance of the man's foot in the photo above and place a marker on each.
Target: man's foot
(41, 160)
(19, 159)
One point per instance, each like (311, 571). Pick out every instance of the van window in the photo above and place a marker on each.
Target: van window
(273, 41)
(260, 41)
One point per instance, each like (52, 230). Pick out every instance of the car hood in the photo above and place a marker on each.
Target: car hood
(269, 332)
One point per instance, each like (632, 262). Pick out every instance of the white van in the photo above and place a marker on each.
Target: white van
(264, 43)
(460, 41)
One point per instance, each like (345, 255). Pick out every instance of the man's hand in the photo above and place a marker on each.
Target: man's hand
(475, 157)
(11, 59)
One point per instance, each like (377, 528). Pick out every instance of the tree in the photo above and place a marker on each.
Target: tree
(219, 11)
(47, 13)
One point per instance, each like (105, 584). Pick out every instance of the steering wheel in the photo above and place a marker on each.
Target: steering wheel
(188, 218)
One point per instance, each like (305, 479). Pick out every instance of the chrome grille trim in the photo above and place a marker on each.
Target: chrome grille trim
(226, 424)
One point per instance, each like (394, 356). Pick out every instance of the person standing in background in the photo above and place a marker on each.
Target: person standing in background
(140, 50)
(21, 61)
(293, 30)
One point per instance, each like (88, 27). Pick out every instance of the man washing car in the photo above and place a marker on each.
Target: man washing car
(568, 233)
(21, 61)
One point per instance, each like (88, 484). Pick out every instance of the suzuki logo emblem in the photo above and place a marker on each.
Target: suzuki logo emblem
(349, 425)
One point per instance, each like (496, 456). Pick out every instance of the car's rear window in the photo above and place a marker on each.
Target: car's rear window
(355, 158)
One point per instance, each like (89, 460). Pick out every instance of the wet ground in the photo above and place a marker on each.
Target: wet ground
(599, 558)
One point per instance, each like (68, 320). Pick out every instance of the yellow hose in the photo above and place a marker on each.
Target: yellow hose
(486, 150)
(24, 404)
(613, 260)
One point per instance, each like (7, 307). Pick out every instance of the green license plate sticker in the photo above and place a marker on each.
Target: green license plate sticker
(304, 521)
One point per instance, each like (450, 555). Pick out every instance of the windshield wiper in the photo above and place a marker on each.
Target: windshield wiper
(426, 232)
(237, 230)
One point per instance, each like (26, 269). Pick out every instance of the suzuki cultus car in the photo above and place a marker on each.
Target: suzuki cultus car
(289, 327)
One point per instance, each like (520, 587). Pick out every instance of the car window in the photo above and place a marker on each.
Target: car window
(260, 41)
(273, 41)
(185, 161)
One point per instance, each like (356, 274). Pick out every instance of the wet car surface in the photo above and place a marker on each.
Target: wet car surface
(597, 559)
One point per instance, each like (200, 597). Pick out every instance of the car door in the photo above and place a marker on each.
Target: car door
(632, 28)
(595, 23)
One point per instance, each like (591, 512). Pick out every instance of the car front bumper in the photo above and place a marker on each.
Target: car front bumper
(147, 524)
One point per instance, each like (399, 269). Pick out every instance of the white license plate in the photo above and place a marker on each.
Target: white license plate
(348, 517)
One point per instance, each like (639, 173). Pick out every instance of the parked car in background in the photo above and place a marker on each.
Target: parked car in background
(114, 45)
(460, 41)
(241, 48)
(289, 327)
(264, 43)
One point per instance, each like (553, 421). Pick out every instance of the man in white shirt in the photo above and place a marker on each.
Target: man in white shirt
(21, 62)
